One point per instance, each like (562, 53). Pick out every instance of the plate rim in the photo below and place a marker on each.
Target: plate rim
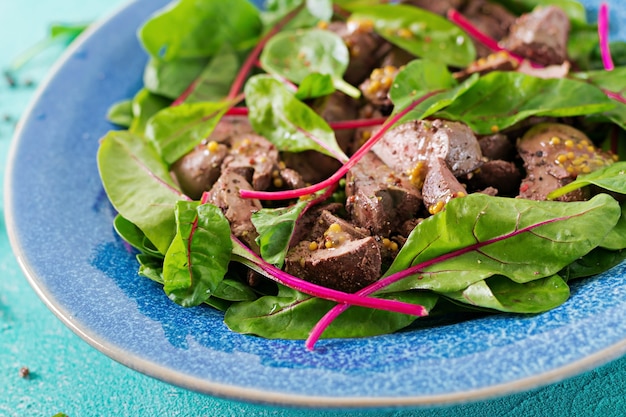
(160, 372)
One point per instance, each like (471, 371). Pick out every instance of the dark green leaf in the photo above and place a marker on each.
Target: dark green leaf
(291, 315)
(233, 290)
(501, 294)
(198, 257)
(422, 33)
(479, 236)
(616, 239)
(593, 263)
(145, 105)
(501, 99)
(180, 29)
(171, 78)
(134, 236)
(151, 267)
(213, 84)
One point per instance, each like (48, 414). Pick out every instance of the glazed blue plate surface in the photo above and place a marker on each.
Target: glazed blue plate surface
(60, 224)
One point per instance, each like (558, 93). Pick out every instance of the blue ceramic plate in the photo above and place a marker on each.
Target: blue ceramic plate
(59, 222)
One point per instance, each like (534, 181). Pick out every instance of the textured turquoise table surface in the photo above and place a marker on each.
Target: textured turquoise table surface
(69, 376)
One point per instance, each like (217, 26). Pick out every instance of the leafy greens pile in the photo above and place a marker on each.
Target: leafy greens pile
(480, 253)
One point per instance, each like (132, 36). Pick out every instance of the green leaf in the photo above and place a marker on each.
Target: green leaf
(616, 239)
(180, 29)
(315, 85)
(171, 78)
(129, 166)
(145, 105)
(288, 123)
(501, 294)
(213, 84)
(574, 9)
(421, 77)
(595, 262)
(176, 130)
(501, 99)
(233, 290)
(121, 113)
(479, 236)
(296, 54)
(275, 228)
(611, 178)
(420, 32)
(291, 315)
(198, 257)
(134, 236)
(151, 267)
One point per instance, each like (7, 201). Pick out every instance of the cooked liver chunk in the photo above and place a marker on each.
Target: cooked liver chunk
(197, 171)
(253, 157)
(440, 185)
(540, 36)
(405, 146)
(379, 199)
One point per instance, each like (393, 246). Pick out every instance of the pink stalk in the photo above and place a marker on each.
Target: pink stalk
(341, 172)
(181, 99)
(314, 290)
(467, 26)
(332, 314)
(603, 35)
(251, 60)
(615, 96)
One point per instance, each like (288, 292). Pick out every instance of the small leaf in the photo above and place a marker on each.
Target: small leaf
(176, 130)
(198, 258)
(121, 113)
(294, 55)
(275, 228)
(145, 105)
(610, 178)
(171, 78)
(315, 85)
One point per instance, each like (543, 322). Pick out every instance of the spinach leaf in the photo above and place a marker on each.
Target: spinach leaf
(213, 83)
(275, 228)
(420, 32)
(291, 315)
(479, 236)
(593, 263)
(176, 130)
(145, 105)
(616, 239)
(171, 78)
(134, 236)
(121, 113)
(315, 85)
(232, 290)
(129, 166)
(421, 77)
(502, 294)
(294, 55)
(180, 29)
(291, 125)
(314, 11)
(197, 260)
(501, 99)
(611, 177)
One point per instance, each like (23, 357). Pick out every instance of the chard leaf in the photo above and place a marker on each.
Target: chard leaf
(611, 178)
(275, 10)
(150, 267)
(294, 55)
(479, 236)
(171, 78)
(180, 29)
(233, 290)
(421, 77)
(291, 315)
(616, 239)
(129, 166)
(213, 84)
(315, 85)
(593, 263)
(501, 294)
(145, 105)
(501, 99)
(121, 113)
(275, 228)
(176, 130)
(134, 236)
(198, 257)
(288, 123)
(420, 32)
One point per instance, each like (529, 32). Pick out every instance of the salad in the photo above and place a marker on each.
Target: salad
(352, 168)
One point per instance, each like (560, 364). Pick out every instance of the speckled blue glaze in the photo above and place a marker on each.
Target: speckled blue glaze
(59, 221)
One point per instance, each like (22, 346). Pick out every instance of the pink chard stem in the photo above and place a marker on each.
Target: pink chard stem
(603, 35)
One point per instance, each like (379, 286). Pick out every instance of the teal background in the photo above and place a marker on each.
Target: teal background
(69, 376)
